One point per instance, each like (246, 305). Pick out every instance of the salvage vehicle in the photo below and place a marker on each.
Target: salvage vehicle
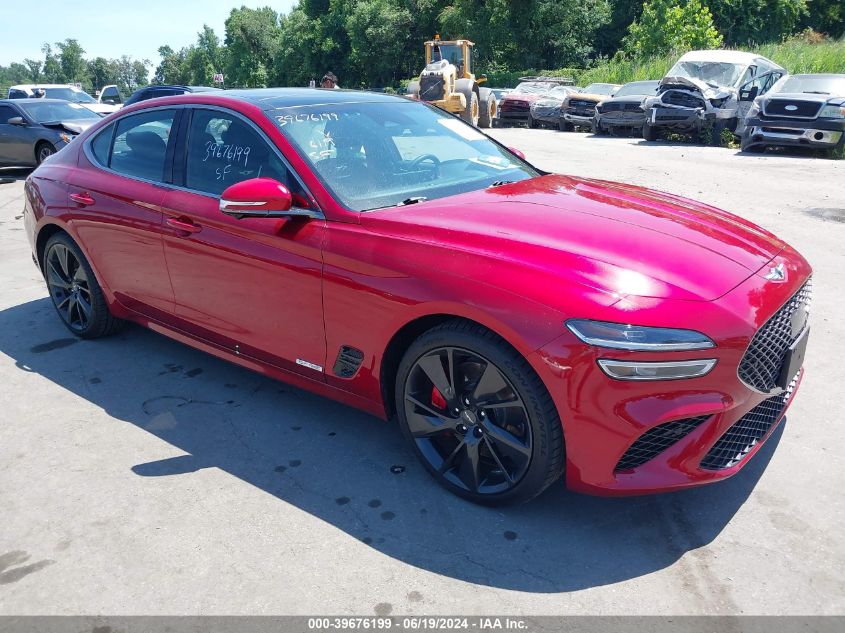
(700, 95)
(579, 109)
(546, 109)
(799, 110)
(110, 95)
(33, 130)
(515, 107)
(448, 83)
(518, 325)
(624, 109)
(66, 92)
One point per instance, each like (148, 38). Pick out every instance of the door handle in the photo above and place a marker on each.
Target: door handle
(84, 199)
(185, 226)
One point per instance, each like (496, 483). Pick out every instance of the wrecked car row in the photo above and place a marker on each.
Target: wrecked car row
(705, 95)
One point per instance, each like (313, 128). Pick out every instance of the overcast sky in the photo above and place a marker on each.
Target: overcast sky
(111, 28)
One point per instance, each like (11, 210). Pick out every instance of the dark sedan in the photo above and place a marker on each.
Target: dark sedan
(624, 109)
(31, 130)
(799, 110)
(153, 92)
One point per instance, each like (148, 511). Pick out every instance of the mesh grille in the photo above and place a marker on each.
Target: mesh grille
(761, 365)
(750, 429)
(656, 440)
(680, 98)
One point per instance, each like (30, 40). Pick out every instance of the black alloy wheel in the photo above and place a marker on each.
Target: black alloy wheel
(484, 428)
(69, 286)
(74, 290)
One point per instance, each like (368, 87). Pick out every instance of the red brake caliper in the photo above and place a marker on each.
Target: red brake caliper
(437, 398)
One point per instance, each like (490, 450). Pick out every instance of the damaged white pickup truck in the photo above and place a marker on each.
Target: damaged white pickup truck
(706, 92)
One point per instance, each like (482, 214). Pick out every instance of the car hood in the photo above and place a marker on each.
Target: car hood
(77, 126)
(102, 108)
(613, 237)
(522, 96)
(807, 96)
(586, 96)
(696, 85)
(626, 99)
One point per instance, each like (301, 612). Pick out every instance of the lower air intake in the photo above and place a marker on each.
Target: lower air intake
(747, 432)
(654, 441)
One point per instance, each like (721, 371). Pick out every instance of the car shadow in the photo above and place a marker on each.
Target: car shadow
(355, 472)
(12, 174)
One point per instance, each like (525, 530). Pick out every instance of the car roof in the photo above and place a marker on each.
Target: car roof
(726, 56)
(269, 98)
(44, 100)
(36, 86)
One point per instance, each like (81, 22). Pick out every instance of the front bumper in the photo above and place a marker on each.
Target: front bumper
(581, 119)
(603, 418)
(621, 119)
(548, 114)
(514, 116)
(820, 133)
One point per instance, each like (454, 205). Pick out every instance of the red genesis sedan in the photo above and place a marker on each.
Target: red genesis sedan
(520, 326)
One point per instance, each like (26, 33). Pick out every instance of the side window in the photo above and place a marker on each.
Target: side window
(223, 149)
(6, 113)
(101, 145)
(140, 144)
(17, 94)
(111, 95)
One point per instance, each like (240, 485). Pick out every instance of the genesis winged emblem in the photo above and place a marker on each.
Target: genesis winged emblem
(776, 273)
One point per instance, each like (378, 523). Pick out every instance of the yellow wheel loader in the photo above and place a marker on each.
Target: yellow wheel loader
(447, 82)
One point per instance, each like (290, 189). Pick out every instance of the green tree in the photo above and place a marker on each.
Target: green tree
(52, 68)
(378, 36)
(667, 25)
(252, 37)
(72, 60)
(102, 72)
(826, 16)
(744, 22)
(34, 68)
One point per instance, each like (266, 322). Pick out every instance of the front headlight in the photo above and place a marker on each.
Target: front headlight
(67, 138)
(833, 112)
(636, 338)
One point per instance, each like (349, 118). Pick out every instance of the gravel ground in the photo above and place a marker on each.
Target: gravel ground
(138, 476)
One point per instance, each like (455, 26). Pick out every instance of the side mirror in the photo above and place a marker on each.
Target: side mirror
(261, 198)
(519, 153)
(16, 120)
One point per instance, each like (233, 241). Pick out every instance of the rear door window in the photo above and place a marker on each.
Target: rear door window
(140, 144)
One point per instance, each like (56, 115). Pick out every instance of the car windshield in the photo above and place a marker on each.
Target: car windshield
(374, 155)
(600, 89)
(637, 88)
(450, 52)
(815, 84)
(532, 88)
(712, 73)
(69, 94)
(47, 111)
(559, 92)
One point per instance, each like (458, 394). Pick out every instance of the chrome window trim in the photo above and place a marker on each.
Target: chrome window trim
(89, 154)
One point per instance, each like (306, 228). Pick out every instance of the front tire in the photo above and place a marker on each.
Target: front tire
(748, 145)
(649, 132)
(479, 418)
(487, 115)
(565, 126)
(43, 151)
(77, 297)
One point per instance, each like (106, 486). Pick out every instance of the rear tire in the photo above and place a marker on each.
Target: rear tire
(503, 454)
(77, 297)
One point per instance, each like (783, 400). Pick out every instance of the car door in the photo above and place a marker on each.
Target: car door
(752, 89)
(116, 195)
(17, 142)
(252, 286)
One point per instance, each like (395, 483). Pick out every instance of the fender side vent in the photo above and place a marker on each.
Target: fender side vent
(348, 361)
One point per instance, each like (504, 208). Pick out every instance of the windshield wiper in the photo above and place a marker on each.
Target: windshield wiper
(816, 92)
(413, 200)
(499, 183)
